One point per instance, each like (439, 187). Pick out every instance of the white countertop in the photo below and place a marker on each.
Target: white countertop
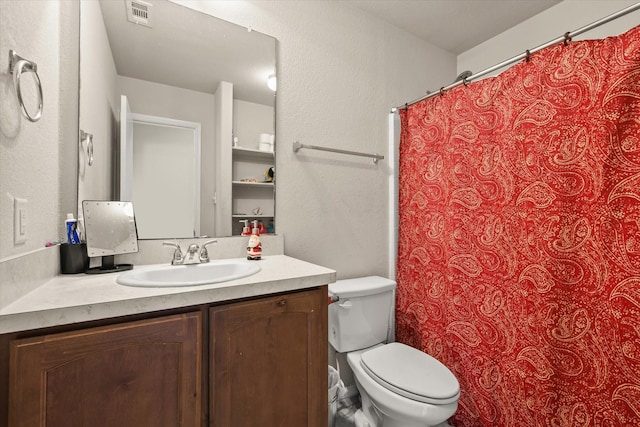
(79, 298)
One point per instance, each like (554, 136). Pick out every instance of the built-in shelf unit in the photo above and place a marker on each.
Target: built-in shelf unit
(253, 195)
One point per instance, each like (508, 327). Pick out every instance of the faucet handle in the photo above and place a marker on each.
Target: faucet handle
(204, 254)
(177, 254)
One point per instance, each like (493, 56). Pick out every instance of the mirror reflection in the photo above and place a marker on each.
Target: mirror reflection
(196, 88)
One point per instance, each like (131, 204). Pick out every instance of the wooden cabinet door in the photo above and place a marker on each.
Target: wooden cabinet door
(268, 362)
(143, 373)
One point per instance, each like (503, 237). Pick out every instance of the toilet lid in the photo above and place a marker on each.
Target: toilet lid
(411, 373)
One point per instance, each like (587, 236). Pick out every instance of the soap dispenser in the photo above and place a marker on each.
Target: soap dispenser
(254, 248)
(261, 228)
(245, 229)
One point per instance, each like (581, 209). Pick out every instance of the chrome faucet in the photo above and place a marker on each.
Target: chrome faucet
(189, 257)
(204, 254)
(177, 253)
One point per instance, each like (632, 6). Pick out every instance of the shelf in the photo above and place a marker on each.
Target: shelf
(250, 152)
(252, 184)
(248, 196)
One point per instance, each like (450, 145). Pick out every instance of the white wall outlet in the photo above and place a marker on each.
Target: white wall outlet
(19, 220)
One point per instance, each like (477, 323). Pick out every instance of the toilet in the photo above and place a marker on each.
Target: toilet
(399, 386)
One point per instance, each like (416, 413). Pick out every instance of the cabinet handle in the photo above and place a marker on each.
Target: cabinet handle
(282, 302)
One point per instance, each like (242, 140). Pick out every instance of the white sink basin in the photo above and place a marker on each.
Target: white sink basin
(188, 275)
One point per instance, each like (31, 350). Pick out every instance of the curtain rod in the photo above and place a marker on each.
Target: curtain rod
(564, 38)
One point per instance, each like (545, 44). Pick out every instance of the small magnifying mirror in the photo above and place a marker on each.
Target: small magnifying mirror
(110, 229)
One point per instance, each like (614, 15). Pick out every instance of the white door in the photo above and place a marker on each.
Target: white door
(160, 174)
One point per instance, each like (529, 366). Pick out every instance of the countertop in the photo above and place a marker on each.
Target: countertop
(68, 299)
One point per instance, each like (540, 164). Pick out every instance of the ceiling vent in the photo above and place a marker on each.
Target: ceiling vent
(139, 12)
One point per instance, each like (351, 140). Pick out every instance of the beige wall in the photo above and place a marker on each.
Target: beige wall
(339, 73)
(569, 15)
(249, 121)
(38, 160)
(100, 102)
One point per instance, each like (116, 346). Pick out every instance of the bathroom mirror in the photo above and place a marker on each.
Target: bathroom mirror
(110, 229)
(177, 64)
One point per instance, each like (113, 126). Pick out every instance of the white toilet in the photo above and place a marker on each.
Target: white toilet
(399, 386)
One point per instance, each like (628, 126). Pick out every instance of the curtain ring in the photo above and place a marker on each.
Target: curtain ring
(528, 55)
(442, 91)
(17, 66)
(465, 81)
(567, 38)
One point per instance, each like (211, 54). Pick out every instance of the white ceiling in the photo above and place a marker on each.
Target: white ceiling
(454, 25)
(189, 49)
(164, 53)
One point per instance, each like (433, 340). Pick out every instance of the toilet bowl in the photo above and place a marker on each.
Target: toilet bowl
(391, 404)
(399, 386)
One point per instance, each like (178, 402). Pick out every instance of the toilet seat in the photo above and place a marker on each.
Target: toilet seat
(411, 373)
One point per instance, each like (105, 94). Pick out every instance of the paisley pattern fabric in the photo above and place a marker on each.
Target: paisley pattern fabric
(519, 238)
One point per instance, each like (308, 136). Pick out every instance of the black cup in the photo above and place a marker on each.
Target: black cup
(73, 258)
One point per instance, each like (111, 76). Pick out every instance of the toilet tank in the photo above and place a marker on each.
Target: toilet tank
(363, 315)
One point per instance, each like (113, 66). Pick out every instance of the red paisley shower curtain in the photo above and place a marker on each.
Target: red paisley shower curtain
(519, 238)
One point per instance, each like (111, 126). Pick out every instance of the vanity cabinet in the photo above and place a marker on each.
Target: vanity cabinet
(260, 361)
(252, 195)
(268, 362)
(143, 373)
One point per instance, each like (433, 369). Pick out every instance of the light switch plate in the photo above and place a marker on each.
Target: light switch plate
(19, 221)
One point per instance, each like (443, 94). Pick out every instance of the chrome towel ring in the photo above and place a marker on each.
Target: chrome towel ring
(17, 66)
(85, 136)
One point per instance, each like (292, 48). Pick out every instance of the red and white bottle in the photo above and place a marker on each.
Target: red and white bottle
(254, 248)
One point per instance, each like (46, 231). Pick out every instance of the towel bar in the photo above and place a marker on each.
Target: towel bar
(375, 156)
